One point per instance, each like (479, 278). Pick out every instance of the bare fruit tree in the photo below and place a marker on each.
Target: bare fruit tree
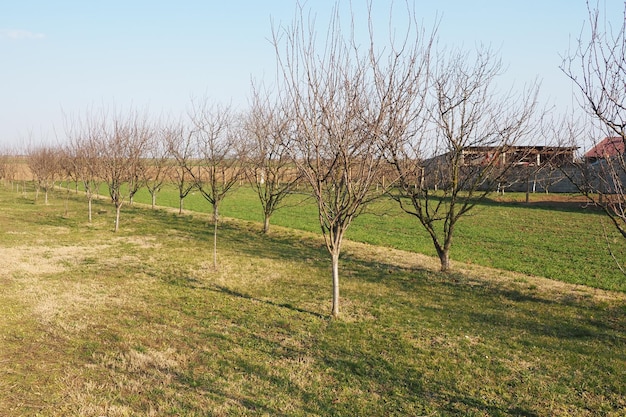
(180, 146)
(84, 154)
(337, 95)
(157, 167)
(269, 167)
(440, 178)
(69, 168)
(597, 68)
(121, 146)
(8, 165)
(216, 165)
(44, 163)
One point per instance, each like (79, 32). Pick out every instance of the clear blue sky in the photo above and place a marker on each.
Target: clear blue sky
(66, 56)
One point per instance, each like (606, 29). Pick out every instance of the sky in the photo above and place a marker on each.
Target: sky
(62, 58)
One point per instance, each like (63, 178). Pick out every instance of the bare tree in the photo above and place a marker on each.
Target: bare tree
(338, 96)
(597, 68)
(91, 170)
(4, 162)
(143, 138)
(216, 166)
(69, 169)
(121, 148)
(455, 154)
(269, 167)
(85, 152)
(44, 163)
(157, 164)
(180, 146)
(8, 166)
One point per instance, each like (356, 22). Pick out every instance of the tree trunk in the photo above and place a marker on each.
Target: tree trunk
(215, 212)
(335, 261)
(89, 205)
(215, 243)
(153, 200)
(180, 205)
(444, 258)
(215, 220)
(118, 208)
(266, 224)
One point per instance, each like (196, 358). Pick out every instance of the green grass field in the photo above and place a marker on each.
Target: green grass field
(138, 323)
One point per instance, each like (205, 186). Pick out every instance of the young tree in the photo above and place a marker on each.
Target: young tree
(157, 165)
(138, 167)
(217, 163)
(84, 137)
(90, 166)
(180, 146)
(4, 162)
(44, 163)
(336, 93)
(438, 181)
(597, 68)
(8, 166)
(121, 147)
(269, 167)
(69, 168)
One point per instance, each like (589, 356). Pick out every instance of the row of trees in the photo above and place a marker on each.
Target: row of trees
(352, 122)
(211, 151)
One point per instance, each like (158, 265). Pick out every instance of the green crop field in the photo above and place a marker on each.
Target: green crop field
(139, 323)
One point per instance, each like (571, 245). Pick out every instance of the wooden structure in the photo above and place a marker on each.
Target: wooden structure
(519, 155)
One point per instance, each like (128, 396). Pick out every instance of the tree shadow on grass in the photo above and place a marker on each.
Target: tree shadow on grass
(236, 235)
(577, 204)
(461, 404)
(537, 316)
(213, 388)
(225, 290)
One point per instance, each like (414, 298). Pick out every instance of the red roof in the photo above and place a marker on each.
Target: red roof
(609, 146)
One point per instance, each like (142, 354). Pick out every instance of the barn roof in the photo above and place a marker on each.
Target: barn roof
(609, 146)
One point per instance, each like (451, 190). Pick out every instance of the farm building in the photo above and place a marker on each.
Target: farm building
(536, 168)
(520, 155)
(606, 166)
(609, 147)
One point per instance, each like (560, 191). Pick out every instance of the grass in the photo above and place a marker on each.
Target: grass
(562, 240)
(138, 323)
